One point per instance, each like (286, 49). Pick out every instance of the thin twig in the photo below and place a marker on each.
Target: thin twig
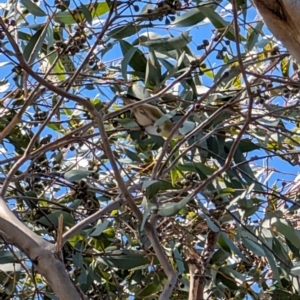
(27, 152)
(97, 215)
(94, 217)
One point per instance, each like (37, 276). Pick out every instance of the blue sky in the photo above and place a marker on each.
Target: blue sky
(280, 170)
(199, 33)
(284, 170)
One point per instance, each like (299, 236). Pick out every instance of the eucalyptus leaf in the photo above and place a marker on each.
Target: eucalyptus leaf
(288, 231)
(125, 260)
(193, 16)
(98, 229)
(122, 32)
(52, 219)
(171, 208)
(34, 46)
(71, 17)
(86, 12)
(75, 175)
(137, 59)
(33, 8)
(168, 44)
(233, 247)
(296, 270)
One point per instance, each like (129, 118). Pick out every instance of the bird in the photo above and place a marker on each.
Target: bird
(147, 115)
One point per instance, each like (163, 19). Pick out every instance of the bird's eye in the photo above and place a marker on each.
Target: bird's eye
(158, 130)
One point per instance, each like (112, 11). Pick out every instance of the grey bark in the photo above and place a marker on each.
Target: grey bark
(39, 251)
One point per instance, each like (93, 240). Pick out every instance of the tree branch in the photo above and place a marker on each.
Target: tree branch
(94, 217)
(39, 251)
(163, 259)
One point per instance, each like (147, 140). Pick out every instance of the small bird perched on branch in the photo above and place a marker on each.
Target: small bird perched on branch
(148, 116)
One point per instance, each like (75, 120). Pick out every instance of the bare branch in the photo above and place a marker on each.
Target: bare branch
(163, 259)
(39, 251)
(94, 217)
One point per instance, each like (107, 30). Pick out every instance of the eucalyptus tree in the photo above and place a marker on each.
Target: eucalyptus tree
(149, 150)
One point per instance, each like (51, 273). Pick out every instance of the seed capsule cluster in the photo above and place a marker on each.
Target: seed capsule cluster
(166, 8)
(10, 26)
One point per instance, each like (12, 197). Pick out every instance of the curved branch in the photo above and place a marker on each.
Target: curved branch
(94, 217)
(163, 259)
(39, 251)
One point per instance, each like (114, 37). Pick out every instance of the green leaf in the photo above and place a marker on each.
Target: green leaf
(133, 156)
(98, 9)
(194, 167)
(52, 219)
(137, 61)
(220, 255)
(33, 8)
(175, 175)
(9, 268)
(68, 64)
(287, 230)
(139, 91)
(233, 247)
(87, 13)
(227, 281)
(153, 287)
(77, 259)
(280, 294)
(285, 66)
(9, 257)
(33, 47)
(245, 145)
(192, 17)
(98, 229)
(219, 22)
(148, 183)
(296, 269)
(253, 246)
(171, 208)
(165, 117)
(253, 37)
(245, 170)
(280, 251)
(233, 274)
(153, 71)
(179, 259)
(122, 32)
(82, 278)
(75, 175)
(126, 60)
(273, 264)
(187, 127)
(152, 188)
(147, 36)
(69, 18)
(58, 68)
(124, 259)
(210, 223)
(168, 44)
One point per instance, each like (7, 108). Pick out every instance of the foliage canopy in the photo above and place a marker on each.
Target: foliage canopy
(210, 214)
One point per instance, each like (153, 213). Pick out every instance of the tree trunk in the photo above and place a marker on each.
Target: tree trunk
(282, 19)
(39, 251)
